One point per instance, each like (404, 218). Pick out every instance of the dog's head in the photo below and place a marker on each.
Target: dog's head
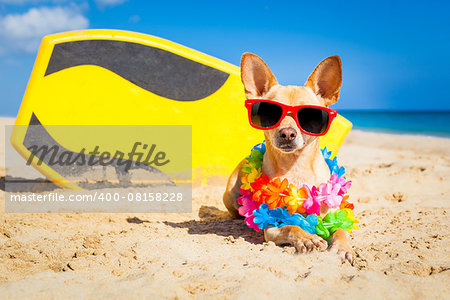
(322, 88)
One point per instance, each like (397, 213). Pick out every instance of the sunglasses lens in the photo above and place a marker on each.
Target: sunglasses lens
(313, 120)
(264, 114)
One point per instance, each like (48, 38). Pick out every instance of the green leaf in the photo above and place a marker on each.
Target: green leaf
(321, 230)
(255, 159)
(338, 219)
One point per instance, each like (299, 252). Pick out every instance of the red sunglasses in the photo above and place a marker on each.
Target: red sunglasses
(311, 119)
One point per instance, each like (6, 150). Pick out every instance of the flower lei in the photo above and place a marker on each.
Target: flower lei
(278, 203)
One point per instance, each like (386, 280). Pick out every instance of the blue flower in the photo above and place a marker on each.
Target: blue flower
(312, 220)
(334, 168)
(262, 217)
(332, 163)
(340, 172)
(326, 154)
(280, 217)
(310, 224)
(260, 147)
(283, 218)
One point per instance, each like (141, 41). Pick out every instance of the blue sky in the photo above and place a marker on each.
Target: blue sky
(395, 54)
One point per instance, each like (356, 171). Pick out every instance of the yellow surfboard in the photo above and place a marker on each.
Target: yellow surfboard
(111, 77)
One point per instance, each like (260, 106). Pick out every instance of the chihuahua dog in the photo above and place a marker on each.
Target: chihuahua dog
(291, 153)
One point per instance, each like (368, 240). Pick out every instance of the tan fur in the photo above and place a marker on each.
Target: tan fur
(302, 165)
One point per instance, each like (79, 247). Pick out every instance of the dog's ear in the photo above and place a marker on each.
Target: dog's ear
(256, 76)
(326, 80)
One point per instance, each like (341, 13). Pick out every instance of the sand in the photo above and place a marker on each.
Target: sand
(400, 189)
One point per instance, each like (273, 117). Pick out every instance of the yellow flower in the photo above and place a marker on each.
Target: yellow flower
(351, 216)
(248, 179)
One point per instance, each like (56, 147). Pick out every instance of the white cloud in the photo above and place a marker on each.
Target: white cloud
(20, 2)
(17, 1)
(104, 3)
(25, 31)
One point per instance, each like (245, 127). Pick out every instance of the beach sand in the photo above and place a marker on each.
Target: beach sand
(401, 194)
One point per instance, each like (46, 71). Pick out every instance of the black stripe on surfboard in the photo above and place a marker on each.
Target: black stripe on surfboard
(161, 72)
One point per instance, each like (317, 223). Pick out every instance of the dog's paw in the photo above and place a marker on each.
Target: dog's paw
(309, 243)
(344, 251)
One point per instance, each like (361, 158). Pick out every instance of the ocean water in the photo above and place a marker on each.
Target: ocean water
(408, 122)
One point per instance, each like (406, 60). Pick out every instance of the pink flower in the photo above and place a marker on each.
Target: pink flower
(312, 203)
(245, 193)
(247, 208)
(329, 193)
(251, 223)
(345, 185)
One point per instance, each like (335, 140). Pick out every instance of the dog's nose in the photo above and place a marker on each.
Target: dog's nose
(287, 134)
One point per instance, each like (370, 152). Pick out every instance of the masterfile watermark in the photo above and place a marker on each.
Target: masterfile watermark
(98, 168)
(62, 157)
